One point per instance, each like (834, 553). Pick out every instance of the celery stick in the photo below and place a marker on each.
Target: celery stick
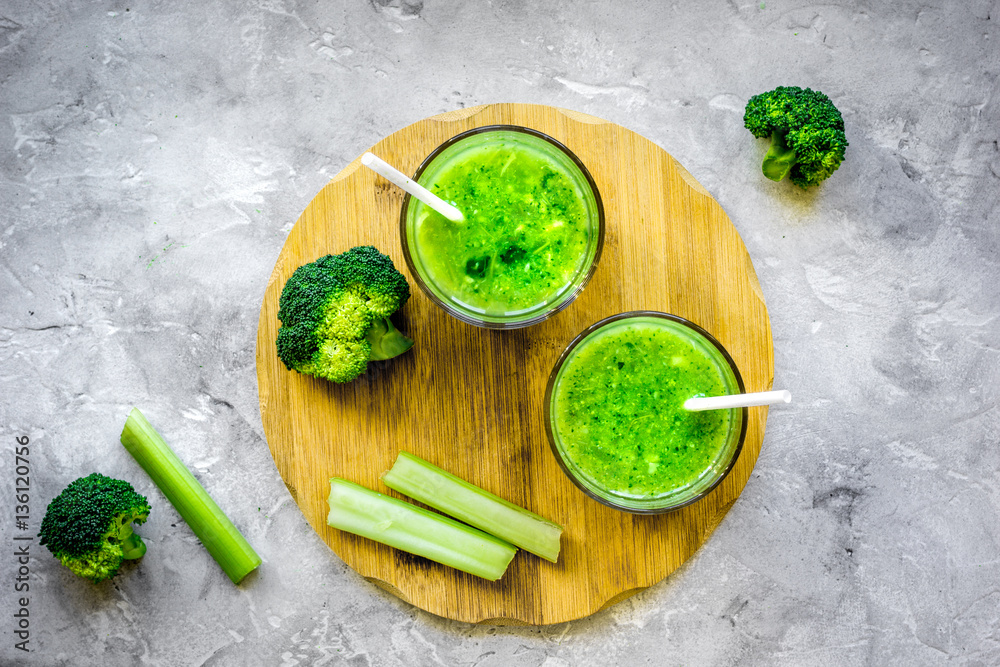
(425, 482)
(188, 496)
(378, 517)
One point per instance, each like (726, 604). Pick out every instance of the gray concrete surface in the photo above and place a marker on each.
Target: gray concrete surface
(154, 155)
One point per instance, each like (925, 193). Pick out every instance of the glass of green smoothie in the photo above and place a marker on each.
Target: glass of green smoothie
(615, 418)
(532, 234)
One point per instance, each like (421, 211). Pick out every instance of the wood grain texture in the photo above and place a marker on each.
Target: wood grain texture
(470, 399)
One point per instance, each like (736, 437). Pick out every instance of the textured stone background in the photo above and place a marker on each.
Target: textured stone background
(154, 155)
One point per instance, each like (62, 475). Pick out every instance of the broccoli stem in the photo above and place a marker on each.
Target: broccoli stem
(426, 483)
(133, 547)
(386, 340)
(209, 523)
(780, 158)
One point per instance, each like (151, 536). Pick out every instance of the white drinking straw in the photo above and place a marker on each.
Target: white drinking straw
(737, 400)
(393, 175)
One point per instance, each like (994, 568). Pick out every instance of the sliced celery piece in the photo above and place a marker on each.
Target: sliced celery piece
(425, 482)
(209, 523)
(378, 517)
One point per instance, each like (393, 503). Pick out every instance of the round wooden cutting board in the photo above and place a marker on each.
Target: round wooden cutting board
(470, 400)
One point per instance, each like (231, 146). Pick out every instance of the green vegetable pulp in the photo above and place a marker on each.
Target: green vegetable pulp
(617, 407)
(527, 237)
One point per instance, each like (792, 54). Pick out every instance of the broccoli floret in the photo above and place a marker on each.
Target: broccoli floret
(806, 131)
(335, 312)
(88, 526)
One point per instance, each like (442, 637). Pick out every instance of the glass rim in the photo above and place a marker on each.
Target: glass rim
(570, 295)
(559, 456)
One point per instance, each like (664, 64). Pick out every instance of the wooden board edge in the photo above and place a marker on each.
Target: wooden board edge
(458, 114)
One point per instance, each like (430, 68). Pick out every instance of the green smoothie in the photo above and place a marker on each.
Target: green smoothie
(616, 414)
(531, 231)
